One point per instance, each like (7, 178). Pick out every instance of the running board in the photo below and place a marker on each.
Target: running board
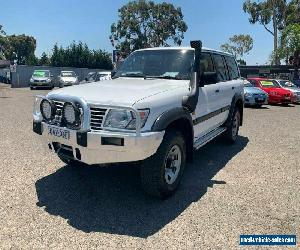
(208, 137)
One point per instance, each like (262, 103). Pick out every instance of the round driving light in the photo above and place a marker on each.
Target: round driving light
(47, 109)
(71, 115)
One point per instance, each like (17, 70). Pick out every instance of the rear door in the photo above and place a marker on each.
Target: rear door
(235, 84)
(221, 100)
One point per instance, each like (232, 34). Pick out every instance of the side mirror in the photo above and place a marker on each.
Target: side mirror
(51, 75)
(208, 78)
(86, 79)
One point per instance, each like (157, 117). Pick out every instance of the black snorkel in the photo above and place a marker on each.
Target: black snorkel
(190, 101)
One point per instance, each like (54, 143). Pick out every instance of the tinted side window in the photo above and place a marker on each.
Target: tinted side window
(232, 68)
(220, 68)
(206, 63)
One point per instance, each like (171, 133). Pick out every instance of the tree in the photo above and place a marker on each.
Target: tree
(290, 46)
(44, 61)
(19, 47)
(32, 60)
(79, 55)
(145, 24)
(238, 45)
(265, 12)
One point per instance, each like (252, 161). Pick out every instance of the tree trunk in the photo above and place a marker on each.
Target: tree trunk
(277, 61)
(296, 64)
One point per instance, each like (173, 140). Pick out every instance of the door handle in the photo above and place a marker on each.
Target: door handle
(217, 90)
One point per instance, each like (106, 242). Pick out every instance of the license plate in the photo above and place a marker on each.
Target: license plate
(58, 132)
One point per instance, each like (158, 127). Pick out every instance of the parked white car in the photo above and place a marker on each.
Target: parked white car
(67, 78)
(162, 104)
(288, 85)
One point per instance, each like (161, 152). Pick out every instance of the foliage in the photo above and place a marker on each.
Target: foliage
(145, 24)
(44, 60)
(268, 12)
(32, 60)
(238, 45)
(292, 15)
(19, 47)
(79, 55)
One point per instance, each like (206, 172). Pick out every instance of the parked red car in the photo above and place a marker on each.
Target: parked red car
(276, 93)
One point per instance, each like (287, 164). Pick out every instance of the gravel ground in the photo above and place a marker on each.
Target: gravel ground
(251, 187)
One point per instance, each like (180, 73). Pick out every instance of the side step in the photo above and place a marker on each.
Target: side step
(208, 137)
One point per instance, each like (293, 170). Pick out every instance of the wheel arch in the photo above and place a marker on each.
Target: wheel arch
(237, 102)
(181, 120)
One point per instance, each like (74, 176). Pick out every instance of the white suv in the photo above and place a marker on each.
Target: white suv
(160, 106)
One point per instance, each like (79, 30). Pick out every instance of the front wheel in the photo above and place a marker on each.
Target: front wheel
(162, 172)
(231, 134)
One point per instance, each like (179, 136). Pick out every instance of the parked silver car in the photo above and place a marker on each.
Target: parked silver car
(291, 87)
(67, 78)
(254, 96)
(41, 78)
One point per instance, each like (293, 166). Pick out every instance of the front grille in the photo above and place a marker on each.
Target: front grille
(97, 115)
(39, 80)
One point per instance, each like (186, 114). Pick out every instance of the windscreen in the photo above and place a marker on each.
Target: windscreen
(287, 84)
(167, 63)
(68, 74)
(41, 73)
(269, 84)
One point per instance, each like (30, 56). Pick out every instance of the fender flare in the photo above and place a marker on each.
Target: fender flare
(166, 118)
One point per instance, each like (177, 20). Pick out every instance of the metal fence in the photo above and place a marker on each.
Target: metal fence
(21, 78)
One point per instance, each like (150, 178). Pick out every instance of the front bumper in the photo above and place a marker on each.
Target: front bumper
(252, 100)
(134, 147)
(281, 99)
(41, 84)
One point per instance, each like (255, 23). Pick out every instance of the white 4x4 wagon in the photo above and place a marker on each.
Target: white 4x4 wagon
(161, 105)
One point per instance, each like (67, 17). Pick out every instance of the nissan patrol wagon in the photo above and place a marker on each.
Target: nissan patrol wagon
(160, 106)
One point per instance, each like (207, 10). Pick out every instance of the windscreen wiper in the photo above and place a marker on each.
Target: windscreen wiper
(163, 77)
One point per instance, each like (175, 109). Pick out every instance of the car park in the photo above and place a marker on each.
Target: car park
(277, 95)
(254, 96)
(67, 78)
(285, 84)
(160, 106)
(41, 79)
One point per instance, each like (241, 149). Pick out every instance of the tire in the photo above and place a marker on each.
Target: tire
(231, 133)
(157, 178)
(71, 163)
(258, 105)
(31, 88)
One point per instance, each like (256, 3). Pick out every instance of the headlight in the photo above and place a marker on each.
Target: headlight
(248, 94)
(71, 115)
(31, 79)
(124, 119)
(48, 109)
(48, 80)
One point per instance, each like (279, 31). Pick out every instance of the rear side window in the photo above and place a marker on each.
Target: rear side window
(232, 68)
(221, 68)
(206, 63)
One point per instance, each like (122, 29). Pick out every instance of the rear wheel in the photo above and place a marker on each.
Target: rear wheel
(231, 134)
(162, 172)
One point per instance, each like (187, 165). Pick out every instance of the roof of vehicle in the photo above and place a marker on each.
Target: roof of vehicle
(104, 72)
(67, 71)
(186, 48)
(42, 70)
